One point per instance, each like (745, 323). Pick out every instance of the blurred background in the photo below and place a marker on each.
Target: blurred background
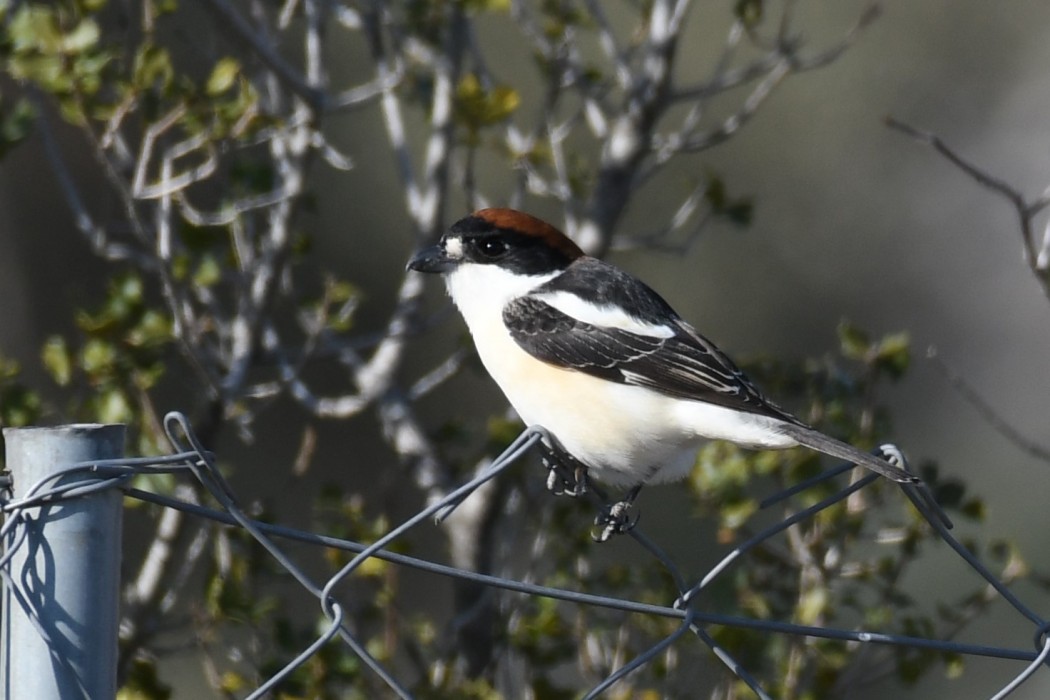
(852, 221)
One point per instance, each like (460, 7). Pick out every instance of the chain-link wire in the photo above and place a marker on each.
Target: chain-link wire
(191, 459)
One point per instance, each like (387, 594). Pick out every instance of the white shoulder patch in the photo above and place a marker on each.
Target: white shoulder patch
(606, 316)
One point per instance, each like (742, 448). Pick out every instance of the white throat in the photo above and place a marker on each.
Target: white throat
(481, 292)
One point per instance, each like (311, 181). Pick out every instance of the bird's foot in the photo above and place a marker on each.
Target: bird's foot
(565, 475)
(615, 520)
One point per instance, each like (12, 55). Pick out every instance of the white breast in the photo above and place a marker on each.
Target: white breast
(624, 434)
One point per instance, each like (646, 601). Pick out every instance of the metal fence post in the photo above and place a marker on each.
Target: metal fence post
(60, 612)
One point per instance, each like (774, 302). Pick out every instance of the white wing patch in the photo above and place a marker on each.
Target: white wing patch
(606, 316)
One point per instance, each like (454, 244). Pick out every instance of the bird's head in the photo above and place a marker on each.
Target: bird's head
(515, 242)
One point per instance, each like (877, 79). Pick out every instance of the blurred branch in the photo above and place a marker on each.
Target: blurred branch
(636, 145)
(1038, 259)
(170, 559)
(664, 238)
(97, 236)
(263, 47)
(992, 417)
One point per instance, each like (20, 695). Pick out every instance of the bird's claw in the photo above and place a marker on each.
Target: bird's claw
(563, 480)
(615, 520)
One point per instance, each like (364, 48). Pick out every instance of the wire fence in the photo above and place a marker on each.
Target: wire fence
(190, 459)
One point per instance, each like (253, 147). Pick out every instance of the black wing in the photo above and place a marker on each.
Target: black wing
(684, 365)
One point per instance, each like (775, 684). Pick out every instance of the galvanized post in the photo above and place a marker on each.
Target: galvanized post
(60, 611)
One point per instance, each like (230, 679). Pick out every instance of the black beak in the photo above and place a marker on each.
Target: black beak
(432, 259)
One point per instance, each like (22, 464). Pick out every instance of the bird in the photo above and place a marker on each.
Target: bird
(624, 388)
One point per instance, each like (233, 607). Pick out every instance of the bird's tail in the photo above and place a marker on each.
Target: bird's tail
(830, 446)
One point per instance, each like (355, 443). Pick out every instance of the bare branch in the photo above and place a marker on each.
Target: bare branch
(97, 236)
(871, 13)
(992, 417)
(610, 46)
(390, 103)
(172, 182)
(664, 239)
(263, 48)
(438, 376)
(982, 177)
(731, 124)
(1024, 210)
(367, 93)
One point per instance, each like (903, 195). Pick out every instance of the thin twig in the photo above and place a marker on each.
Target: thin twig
(991, 416)
(1025, 210)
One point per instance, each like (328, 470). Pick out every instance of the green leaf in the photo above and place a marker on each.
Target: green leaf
(954, 665)
(734, 515)
(113, 407)
(154, 328)
(180, 267)
(208, 272)
(72, 111)
(715, 193)
(222, 76)
(47, 70)
(152, 67)
(486, 5)
(15, 125)
(373, 567)
(9, 369)
(748, 11)
(894, 354)
(98, 356)
(125, 298)
(83, 37)
(87, 69)
(811, 606)
(739, 211)
(143, 682)
(34, 28)
(478, 107)
(339, 292)
(232, 682)
(974, 509)
(238, 114)
(560, 17)
(19, 406)
(57, 360)
(128, 288)
(502, 431)
(854, 343)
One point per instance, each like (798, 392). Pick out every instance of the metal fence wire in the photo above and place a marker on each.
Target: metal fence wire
(191, 460)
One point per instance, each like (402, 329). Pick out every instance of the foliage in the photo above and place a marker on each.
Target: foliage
(19, 405)
(216, 298)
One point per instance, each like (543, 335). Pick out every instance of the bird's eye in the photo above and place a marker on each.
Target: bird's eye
(492, 247)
